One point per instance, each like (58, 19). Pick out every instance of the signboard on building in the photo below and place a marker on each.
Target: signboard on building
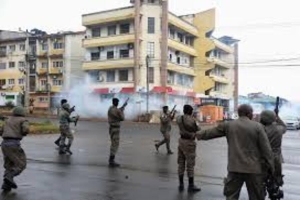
(208, 101)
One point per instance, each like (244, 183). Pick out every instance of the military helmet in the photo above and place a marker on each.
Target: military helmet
(66, 106)
(19, 111)
(267, 117)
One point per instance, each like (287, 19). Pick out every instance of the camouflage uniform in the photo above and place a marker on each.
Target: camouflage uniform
(64, 121)
(187, 150)
(165, 129)
(275, 128)
(247, 145)
(12, 132)
(115, 116)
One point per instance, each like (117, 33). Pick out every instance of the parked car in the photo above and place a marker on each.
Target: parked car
(292, 122)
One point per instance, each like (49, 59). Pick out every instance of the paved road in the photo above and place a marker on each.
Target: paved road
(144, 174)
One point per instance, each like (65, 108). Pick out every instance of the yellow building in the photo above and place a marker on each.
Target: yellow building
(53, 60)
(118, 41)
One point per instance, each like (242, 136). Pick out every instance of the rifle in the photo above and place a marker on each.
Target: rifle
(77, 118)
(276, 110)
(72, 109)
(125, 104)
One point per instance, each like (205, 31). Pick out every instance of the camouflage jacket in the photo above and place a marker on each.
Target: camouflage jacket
(15, 128)
(64, 117)
(165, 122)
(248, 145)
(115, 115)
(187, 126)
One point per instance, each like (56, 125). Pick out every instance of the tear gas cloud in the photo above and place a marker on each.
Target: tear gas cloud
(90, 105)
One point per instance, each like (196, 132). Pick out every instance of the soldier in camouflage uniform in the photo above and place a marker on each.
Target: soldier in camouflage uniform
(12, 132)
(115, 116)
(64, 121)
(63, 101)
(275, 128)
(165, 128)
(248, 147)
(187, 147)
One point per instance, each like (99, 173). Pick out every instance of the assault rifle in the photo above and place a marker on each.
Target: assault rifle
(125, 104)
(72, 109)
(273, 188)
(276, 110)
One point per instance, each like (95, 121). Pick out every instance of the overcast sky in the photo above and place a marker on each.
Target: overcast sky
(269, 30)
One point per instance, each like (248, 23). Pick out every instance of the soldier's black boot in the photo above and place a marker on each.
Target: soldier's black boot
(112, 162)
(57, 142)
(192, 188)
(157, 147)
(68, 149)
(181, 183)
(9, 181)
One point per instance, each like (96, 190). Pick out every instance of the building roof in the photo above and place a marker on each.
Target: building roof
(105, 11)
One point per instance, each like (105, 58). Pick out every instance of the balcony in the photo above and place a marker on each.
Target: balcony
(108, 41)
(223, 46)
(181, 69)
(56, 88)
(182, 47)
(219, 79)
(219, 62)
(108, 64)
(41, 71)
(108, 16)
(56, 70)
(55, 52)
(180, 23)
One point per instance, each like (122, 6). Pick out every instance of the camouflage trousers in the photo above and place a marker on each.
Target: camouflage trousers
(14, 161)
(186, 157)
(65, 133)
(166, 140)
(254, 183)
(114, 133)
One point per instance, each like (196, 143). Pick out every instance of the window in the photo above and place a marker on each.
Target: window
(178, 60)
(172, 33)
(2, 66)
(150, 49)
(124, 28)
(95, 55)
(112, 30)
(2, 49)
(124, 53)
(151, 1)
(151, 25)
(110, 55)
(171, 77)
(11, 64)
(21, 64)
(96, 32)
(43, 82)
(180, 37)
(123, 75)
(22, 47)
(151, 74)
(58, 64)
(43, 99)
(2, 82)
(57, 45)
(170, 57)
(21, 81)
(57, 82)
(110, 76)
(11, 81)
(44, 46)
(44, 64)
(12, 48)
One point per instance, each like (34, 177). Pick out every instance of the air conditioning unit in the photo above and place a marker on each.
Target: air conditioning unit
(54, 77)
(100, 48)
(130, 46)
(60, 71)
(21, 69)
(3, 94)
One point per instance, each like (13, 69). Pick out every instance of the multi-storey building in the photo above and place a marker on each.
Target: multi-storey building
(54, 62)
(183, 57)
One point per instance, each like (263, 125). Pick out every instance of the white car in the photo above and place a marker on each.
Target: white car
(292, 122)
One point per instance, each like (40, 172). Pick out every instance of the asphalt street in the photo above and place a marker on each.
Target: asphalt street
(144, 174)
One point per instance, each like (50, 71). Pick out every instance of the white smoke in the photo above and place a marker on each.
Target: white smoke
(290, 110)
(90, 105)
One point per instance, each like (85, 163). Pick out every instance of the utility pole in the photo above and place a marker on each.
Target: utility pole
(236, 76)
(48, 85)
(147, 78)
(26, 73)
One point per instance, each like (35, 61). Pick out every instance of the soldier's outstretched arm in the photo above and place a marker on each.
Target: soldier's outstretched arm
(25, 127)
(281, 125)
(265, 147)
(212, 133)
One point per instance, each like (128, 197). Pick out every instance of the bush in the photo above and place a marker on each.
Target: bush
(9, 104)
